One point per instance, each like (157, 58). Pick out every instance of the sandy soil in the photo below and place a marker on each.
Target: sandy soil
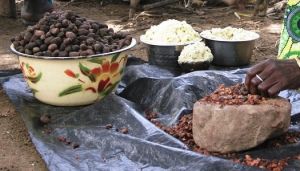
(16, 149)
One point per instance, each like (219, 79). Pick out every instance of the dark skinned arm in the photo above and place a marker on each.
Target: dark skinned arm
(277, 75)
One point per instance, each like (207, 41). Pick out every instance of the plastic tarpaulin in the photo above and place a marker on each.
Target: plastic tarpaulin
(145, 147)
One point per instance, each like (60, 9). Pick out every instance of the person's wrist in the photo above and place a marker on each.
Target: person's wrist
(297, 73)
(291, 73)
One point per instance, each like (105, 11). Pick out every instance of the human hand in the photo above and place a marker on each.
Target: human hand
(277, 75)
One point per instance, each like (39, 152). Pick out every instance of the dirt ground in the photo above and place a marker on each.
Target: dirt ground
(16, 149)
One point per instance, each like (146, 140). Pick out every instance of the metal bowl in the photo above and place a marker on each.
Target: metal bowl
(163, 55)
(231, 53)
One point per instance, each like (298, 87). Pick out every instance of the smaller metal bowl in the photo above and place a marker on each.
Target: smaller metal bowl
(231, 53)
(163, 55)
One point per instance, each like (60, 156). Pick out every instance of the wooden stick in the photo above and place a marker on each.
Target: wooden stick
(146, 14)
(158, 4)
(69, 3)
(278, 7)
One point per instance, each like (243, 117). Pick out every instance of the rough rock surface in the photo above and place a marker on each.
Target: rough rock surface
(231, 128)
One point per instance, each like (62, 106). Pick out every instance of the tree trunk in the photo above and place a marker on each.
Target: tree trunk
(8, 8)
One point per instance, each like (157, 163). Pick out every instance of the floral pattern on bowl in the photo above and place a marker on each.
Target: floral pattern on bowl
(29, 73)
(105, 84)
(73, 81)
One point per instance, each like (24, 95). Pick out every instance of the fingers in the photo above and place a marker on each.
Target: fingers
(269, 79)
(276, 76)
(266, 85)
(247, 80)
(258, 68)
(253, 89)
(254, 82)
(252, 73)
(275, 89)
(272, 85)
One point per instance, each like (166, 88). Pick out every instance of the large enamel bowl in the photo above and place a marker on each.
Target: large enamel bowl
(73, 81)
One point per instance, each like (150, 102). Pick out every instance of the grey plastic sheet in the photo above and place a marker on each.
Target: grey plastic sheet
(145, 147)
